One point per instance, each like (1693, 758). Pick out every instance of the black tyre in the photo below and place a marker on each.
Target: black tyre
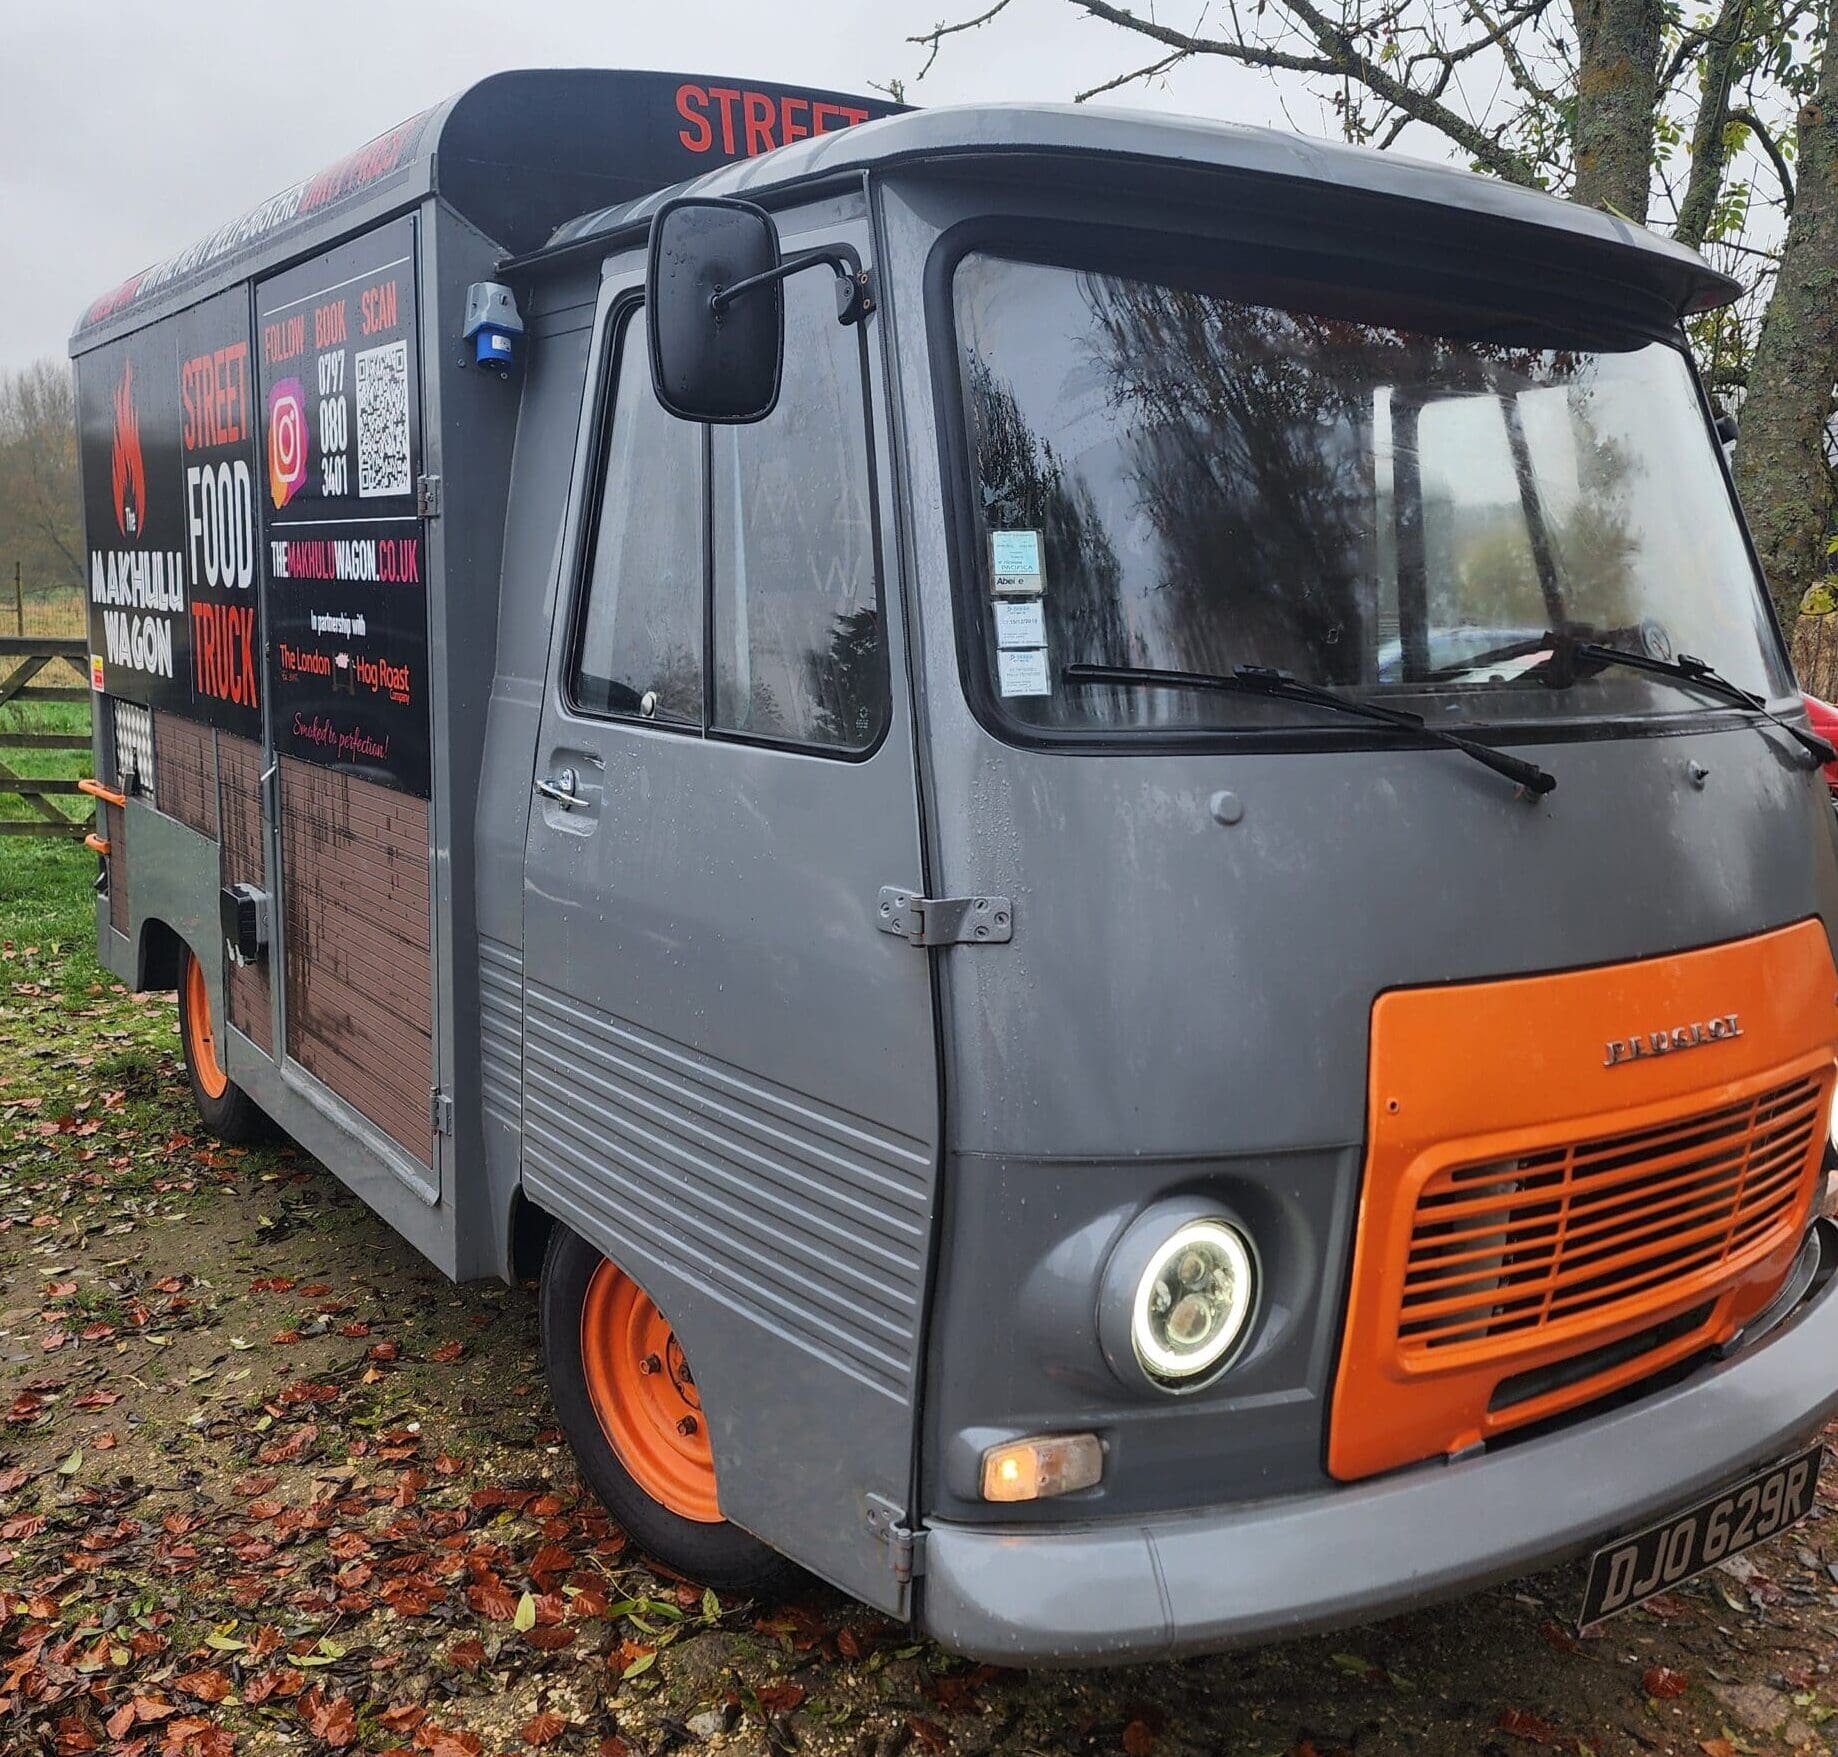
(629, 1405)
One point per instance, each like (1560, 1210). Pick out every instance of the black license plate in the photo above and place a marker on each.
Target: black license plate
(1657, 1559)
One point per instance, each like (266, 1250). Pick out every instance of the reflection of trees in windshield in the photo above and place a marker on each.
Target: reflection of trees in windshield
(1025, 487)
(1595, 539)
(1253, 466)
(1365, 504)
(1508, 472)
(1252, 448)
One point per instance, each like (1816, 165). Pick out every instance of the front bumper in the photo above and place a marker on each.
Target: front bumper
(1201, 1582)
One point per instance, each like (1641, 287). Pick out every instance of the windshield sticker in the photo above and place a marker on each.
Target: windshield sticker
(1023, 671)
(1014, 562)
(1020, 622)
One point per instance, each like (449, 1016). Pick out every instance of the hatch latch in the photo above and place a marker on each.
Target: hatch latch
(946, 921)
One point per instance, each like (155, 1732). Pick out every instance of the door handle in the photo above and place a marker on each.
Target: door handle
(561, 787)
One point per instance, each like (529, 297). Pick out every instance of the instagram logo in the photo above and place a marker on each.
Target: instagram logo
(286, 440)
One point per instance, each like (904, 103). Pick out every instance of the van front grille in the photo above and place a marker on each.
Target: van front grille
(1543, 1223)
(1586, 1233)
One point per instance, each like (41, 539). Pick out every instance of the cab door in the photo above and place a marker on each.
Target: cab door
(730, 1079)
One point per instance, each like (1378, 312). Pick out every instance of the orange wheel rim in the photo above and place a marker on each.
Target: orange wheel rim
(645, 1396)
(195, 1002)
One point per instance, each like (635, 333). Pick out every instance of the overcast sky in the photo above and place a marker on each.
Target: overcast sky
(131, 128)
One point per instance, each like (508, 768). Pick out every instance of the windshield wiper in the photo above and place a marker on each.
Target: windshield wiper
(1695, 672)
(1280, 686)
(1568, 647)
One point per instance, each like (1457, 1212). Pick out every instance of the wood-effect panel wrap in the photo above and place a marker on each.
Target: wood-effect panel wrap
(185, 772)
(354, 860)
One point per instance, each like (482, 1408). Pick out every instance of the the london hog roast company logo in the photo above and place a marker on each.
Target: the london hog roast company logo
(127, 467)
(287, 441)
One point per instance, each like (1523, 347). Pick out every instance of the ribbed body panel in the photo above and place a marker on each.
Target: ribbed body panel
(501, 1032)
(803, 1217)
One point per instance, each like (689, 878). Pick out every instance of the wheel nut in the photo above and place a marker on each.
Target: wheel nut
(686, 1426)
(649, 1364)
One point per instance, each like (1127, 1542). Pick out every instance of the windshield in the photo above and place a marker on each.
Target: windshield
(1391, 500)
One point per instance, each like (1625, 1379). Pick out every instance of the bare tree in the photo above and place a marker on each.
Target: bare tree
(41, 519)
(1783, 466)
(1572, 92)
(1638, 106)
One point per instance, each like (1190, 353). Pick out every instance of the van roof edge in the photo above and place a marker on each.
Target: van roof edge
(1678, 273)
(515, 153)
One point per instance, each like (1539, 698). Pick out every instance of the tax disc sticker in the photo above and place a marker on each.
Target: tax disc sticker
(1023, 671)
(1020, 622)
(1015, 564)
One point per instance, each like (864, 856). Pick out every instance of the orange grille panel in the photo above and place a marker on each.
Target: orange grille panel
(1538, 1227)
(1566, 1235)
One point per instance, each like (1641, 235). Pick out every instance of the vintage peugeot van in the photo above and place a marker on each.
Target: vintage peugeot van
(1091, 826)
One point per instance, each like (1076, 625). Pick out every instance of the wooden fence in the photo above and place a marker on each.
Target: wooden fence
(22, 658)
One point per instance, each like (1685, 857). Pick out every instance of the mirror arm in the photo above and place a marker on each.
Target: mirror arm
(854, 285)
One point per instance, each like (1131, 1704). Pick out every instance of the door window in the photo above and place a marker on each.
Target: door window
(639, 649)
(797, 623)
(795, 628)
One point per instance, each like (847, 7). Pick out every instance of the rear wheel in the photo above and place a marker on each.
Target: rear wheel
(228, 1111)
(629, 1404)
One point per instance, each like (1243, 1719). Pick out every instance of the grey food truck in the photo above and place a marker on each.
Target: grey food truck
(1089, 825)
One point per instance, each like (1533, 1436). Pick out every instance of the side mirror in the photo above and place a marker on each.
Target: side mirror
(715, 359)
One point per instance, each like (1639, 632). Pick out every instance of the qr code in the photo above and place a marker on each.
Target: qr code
(382, 420)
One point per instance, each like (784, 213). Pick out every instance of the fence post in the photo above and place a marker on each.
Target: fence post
(19, 600)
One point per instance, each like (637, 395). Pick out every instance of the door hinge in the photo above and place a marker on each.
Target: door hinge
(946, 921)
(905, 1546)
(440, 1111)
(427, 497)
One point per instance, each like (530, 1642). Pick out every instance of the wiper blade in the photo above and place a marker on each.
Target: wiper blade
(1518, 649)
(1280, 686)
(1688, 670)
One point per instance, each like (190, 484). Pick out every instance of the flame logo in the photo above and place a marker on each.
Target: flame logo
(127, 468)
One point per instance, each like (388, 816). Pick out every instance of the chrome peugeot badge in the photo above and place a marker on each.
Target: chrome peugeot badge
(1643, 1046)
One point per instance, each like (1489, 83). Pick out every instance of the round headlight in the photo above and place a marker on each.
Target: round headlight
(1193, 1300)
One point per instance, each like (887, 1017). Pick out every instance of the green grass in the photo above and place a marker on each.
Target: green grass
(47, 896)
(70, 1037)
(70, 718)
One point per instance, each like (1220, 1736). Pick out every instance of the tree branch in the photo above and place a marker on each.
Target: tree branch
(1771, 147)
(1709, 138)
(1498, 35)
(1123, 79)
(934, 38)
(1336, 56)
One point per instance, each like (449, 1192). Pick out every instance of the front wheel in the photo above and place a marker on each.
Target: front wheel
(628, 1402)
(228, 1111)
